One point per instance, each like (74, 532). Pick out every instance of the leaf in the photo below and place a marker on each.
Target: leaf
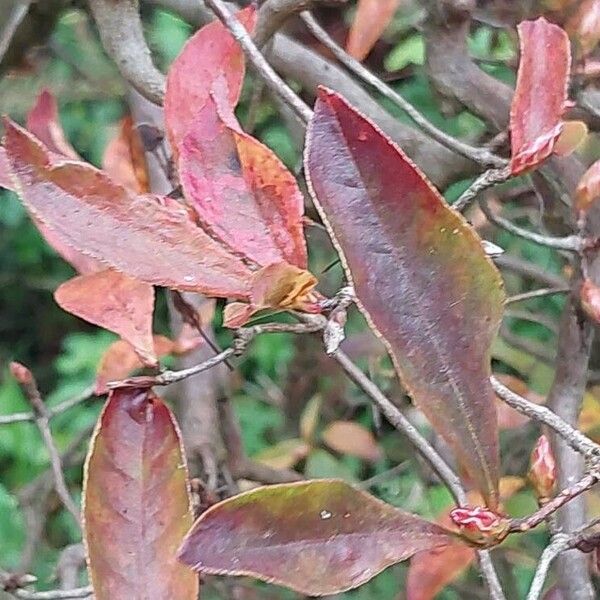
(588, 188)
(573, 134)
(316, 537)
(309, 419)
(347, 437)
(285, 454)
(102, 219)
(421, 276)
(509, 418)
(124, 160)
(44, 123)
(136, 501)
(212, 52)
(6, 181)
(370, 21)
(116, 302)
(278, 286)
(584, 26)
(241, 191)
(430, 572)
(120, 359)
(541, 93)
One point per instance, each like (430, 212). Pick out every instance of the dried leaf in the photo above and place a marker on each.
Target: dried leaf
(430, 572)
(588, 189)
(316, 537)
(541, 93)
(584, 26)
(370, 21)
(44, 123)
(241, 191)
(146, 237)
(347, 437)
(212, 52)
(309, 419)
(573, 134)
(124, 159)
(136, 501)
(118, 303)
(285, 454)
(420, 275)
(120, 359)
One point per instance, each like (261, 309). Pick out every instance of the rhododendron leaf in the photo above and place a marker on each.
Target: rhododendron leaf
(420, 275)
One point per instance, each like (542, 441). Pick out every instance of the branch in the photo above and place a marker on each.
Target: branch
(540, 293)
(478, 155)
(559, 543)
(574, 438)
(483, 182)
(17, 14)
(82, 592)
(42, 419)
(263, 69)
(571, 243)
(122, 35)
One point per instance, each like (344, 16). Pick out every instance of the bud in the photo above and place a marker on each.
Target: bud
(480, 526)
(542, 472)
(21, 373)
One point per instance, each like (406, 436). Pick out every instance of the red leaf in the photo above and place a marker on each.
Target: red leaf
(44, 123)
(316, 537)
(430, 572)
(147, 238)
(240, 189)
(124, 160)
(6, 181)
(115, 302)
(541, 93)
(120, 359)
(421, 276)
(212, 52)
(136, 502)
(370, 21)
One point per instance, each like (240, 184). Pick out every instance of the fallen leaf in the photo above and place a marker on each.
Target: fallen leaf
(420, 274)
(347, 437)
(316, 537)
(117, 303)
(370, 21)
(124, 159)
(210, 53)
(541, 93)
(100, 218)
(136, 501)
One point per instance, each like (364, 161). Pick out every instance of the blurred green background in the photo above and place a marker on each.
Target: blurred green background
(64, 352)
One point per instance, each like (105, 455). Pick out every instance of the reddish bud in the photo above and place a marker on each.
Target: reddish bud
(542, 472)
(590, 300)
(480, 525)
(21, 373)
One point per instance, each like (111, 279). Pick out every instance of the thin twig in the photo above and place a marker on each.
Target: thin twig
(483, 182)
(478, 155)
(571, 243)
(42, 419)
(265, 71)
(559, 543)
(82, 592)
(540, 293)
(15, 18)
(52, 412)
(577, 440)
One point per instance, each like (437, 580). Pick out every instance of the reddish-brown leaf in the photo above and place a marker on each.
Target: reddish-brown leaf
(5, 177)
(421, 276)
(212, 52)
(347, 437)
(241, 191)
(370, 21)
(148, 238)
(584, 26)
(44, 123)
(588, 189)
(316, 537)
(430, 572)
(116, 302)
(541, 93)
(136, 502)
(124, 159)
(121, 359)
